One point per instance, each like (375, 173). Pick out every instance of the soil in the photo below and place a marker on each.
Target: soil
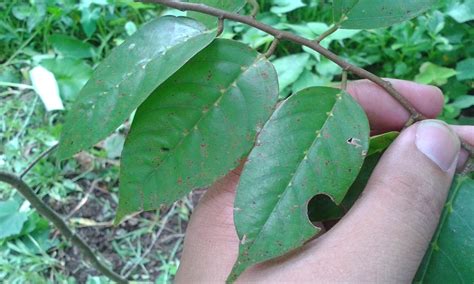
(101, 238)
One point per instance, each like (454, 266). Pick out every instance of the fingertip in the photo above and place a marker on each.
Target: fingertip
(427, 99)
(385, 113)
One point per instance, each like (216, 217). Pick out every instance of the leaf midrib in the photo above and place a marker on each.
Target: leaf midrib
(213, 107)
(294, 173)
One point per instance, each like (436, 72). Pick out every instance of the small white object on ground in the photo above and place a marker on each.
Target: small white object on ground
(46, 86)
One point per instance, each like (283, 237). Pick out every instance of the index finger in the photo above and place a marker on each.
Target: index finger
(385, 113)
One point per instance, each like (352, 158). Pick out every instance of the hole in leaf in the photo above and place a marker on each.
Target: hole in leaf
(322, 208)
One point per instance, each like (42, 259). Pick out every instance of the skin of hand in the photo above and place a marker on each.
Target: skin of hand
(383, 238)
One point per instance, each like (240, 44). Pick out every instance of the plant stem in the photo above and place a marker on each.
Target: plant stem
(52, 216)
(415, 116)
(272, 48)
(327, 33)
(255, 7)
(35, 161)
(344, 81)
(283, 35)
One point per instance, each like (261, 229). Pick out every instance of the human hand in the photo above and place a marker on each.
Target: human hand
(383, 238)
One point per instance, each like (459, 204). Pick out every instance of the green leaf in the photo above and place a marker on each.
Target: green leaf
(463, 102)
(71, 75)
(369, 14)
(450, 257)
(465, 69)
(211, 21)
(128, 76)
(71, 47)
(89, 20)
(320, 209)
(315, 143)
(380, 143)
(433, 74)
(286, 75)
(11, 220)
(197, 126)
(286, 6)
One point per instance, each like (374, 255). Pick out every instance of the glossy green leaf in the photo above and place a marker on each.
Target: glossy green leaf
(197, 126)
(450, 257)
(321, 209)
(128, 76)
(211, 21)
(369, 14)
(315, 143)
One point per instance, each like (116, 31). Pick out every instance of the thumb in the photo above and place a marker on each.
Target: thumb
(391, 225)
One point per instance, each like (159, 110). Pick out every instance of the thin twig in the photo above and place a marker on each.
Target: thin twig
(332, 29)
(255, 8)
(220, 26)
(272, 48)
(35, 161)
(327, 33)
(415, 116)
(52, 216)
(283, 35)
(344, 81)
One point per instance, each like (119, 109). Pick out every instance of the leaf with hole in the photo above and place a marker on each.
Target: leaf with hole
(369, 14)
(321, 209)
(128, 76)
(449, 258)
(197, 126)
(315, 143)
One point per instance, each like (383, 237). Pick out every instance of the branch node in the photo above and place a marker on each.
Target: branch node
(344, 81)
(220, 26)
(272, 47)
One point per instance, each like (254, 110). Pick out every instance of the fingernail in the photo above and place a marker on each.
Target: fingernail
(439, 143)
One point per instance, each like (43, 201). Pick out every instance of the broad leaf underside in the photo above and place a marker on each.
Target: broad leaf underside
(449, 258)
(128, 76)
(197, 126)
(315, 143)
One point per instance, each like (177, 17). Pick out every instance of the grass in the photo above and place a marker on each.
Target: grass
(147, 246)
